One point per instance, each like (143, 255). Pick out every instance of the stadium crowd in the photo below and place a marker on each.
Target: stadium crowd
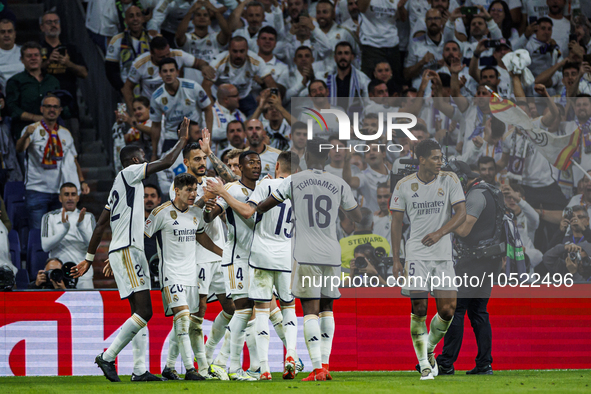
(240, 69)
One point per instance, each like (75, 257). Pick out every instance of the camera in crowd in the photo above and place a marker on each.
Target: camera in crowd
(62, 275)
(374, 256)
(568, 213)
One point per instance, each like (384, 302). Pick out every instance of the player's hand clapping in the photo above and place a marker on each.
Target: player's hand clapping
(214, 187)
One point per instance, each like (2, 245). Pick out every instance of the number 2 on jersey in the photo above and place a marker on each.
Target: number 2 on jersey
(280, 221)
(113, 203)
(322, 215)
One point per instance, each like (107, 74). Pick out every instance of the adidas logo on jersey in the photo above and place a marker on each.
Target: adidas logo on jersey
(313, 339)
(175, 223)
(415, 195)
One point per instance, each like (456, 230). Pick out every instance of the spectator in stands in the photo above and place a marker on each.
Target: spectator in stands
(42, 282)
(144, 71)
(347, 81)
(10, 62)
(235, 135)
(167, 16)
(254, 15)
(51, 161)
(125, 47)
(336, 156)
(25, 90)
(558, 260)
(225, 110)
(255, 135)
(382, 219)
(66, 232)
(366, 182)
(301, 75)
(351, 23)
(64, 62)
(526, 217)
(583, 197)
(152, 199)
(487, 169)
(276, 119)
(10, 170)
(499, 12)
(494, 76)
(382, 71)
(570, 82)
(583, 32)
(203, 43)
(582, 109)
(240, 66)
(379, 35)
(136, 129)
(267, 42)
(542, 48)
(425, 52)
(299, 134)
(176, 99)
(574, 227)
(561, 26)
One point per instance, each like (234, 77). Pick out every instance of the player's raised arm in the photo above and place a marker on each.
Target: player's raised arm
(455, 222)
(220, 168)
(207, 243)
(270, 202)
(246, 210)
(95, 240)
(168, 160)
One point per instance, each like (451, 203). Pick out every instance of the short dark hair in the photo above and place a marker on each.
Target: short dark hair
(51, 95)
(255, 4)
(486, 160)
(243, 155)
(325, 2)
(167, 60)
(158, 43)
(236, 121)
(184, 179)
(53, 259)
(142, 100)
(383, 185)
(334, 137)
(545, 19)
(267, 29)
(568, 65)
(313, 148)
(153, 186)
(303, 48)
(366, 218)
(30, 45)
(345, 44)
(187, 149)
(453, 42)
(488, 68)
(288, 161)
(580, 208)
(517, 187)
(5, 20)
(424, 148)
(67, 184)
(127, 153)
(237, 39)
(375, 83)
(315, 81)
(299, 125)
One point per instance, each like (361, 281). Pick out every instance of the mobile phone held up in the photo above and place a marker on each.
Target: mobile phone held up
(466, 11)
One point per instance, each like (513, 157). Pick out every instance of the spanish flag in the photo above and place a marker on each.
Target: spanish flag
(557, 149)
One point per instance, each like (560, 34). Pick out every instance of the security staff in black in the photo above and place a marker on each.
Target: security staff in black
(480, 247)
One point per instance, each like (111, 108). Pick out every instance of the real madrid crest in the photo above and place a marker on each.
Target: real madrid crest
(175, 298)
(338, 36)
(247, 74)
(245, 191)
(150, 71)
(208, 43)
(187, 102)
(164, 100)
(42, 132)
(414, 187)
(195, 220)
(173, 214)
(440, 192)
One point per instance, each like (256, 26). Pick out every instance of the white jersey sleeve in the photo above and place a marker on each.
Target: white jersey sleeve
(153, 224)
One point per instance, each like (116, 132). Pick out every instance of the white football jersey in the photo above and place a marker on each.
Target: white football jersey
(145, 73)
(214, 229)
(428, 206)
(239, 229)
(271, 244)
(126, 204)
(189, 101)
(176, 243)
(205, 48)
(241, 77)
(316, 197)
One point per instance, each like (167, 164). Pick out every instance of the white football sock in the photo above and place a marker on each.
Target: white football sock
(129, 329)
(181, 326)
(173, 349)
(290, 327)
(237, 326)
(139, 344)
(262, 338)
(418, 332)
(218, 330)
(312, 337)
(326, 334)
(251, 343)
(196, 335)
(276, 318)
(437, 330)
(222, 358)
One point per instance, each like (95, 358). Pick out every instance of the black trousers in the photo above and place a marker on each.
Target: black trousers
(478, 315)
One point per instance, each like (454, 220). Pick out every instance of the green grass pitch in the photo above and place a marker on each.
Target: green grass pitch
(571, 381)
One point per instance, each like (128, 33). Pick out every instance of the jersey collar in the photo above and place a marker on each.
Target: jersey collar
(175, 207)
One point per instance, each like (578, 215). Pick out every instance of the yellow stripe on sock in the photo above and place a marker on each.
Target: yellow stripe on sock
(310, 317)
(326, 314)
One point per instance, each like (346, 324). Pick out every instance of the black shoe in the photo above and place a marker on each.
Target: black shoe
(481, 371)
(146, 377)
(192, 374)
(446, 371)
(108, 368)
(170, 374)
(418, 368)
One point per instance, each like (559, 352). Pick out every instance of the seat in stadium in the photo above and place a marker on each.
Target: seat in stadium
(14, 191)
(36, 257)
(15, 248)
(22, 279)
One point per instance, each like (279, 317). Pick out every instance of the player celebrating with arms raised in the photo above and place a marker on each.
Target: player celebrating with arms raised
(125, 213)
(428, 197)
(316, 196)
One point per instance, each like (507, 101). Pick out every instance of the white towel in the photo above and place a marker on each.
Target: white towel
(518, 62)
